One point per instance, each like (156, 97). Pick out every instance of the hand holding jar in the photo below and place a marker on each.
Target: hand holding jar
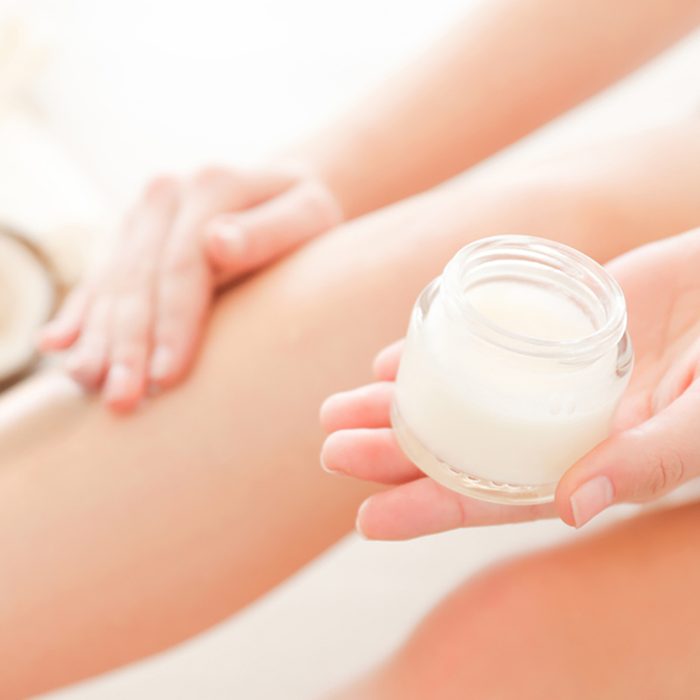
(536, 394)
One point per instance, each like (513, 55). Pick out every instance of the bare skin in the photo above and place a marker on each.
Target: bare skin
(152, 529)
(135, 324)
(653, 449)
(508, 68)
(610, 617)
(127, 535)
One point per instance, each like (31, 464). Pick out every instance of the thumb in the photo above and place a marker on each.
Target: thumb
(240, 242)
(635, 465)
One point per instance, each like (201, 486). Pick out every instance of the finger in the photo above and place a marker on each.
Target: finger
(183, 295)
(63, 330)
(373, 455)
(638, 464)
(88, 360)
(125, 382)
(386, 364)
(134, 298)
(423, 507)
(365, 407)
(676, 380)
(240, 242)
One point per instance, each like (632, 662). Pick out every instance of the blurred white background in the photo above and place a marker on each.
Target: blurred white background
(135, 87)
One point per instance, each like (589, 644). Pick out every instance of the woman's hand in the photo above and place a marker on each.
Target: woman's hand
(136, 323)
(654, 447)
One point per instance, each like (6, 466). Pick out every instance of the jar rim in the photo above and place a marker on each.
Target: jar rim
(540, 254)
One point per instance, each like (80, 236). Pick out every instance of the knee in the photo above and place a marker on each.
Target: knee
(497, 635)
(508, 608)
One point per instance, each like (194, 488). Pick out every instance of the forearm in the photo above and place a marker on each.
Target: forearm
(508, 68)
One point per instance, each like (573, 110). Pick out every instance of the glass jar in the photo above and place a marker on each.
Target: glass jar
(514, 364)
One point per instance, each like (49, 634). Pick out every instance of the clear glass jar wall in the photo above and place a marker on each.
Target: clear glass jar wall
(515, 361)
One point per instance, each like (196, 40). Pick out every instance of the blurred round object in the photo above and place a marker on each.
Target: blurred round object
(29, 292)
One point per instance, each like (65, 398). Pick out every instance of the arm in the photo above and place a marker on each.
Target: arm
(508, 68)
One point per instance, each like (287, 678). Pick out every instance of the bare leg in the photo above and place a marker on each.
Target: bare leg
(123, 536)
(609, 617)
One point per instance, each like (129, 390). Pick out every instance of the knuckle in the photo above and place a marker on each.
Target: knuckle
(667, 471)
(100, 310)
(139, 272)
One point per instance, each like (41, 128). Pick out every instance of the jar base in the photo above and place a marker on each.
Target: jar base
(457, 480)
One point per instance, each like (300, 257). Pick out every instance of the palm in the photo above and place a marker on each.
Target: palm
(662, 290)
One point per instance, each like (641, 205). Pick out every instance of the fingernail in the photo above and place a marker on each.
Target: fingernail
(50, 332)
(231, 237)
(43, 338)
(591, 498)
(74, 362)
(358, 526)
(162, 363)
(326, 468)
(119, 382)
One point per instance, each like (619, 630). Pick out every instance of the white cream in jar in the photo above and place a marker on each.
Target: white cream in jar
(514, 364)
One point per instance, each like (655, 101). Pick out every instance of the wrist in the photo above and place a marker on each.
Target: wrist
(302, 168)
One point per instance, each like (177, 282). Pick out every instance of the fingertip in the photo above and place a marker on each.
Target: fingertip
(53, 337)
(329, 413)
(360, 526)
(369, 454)
(123, 388)
(164, 369)
(86, 371)
(562, 500)
(376, 520)
(587, 487)
(47, 342)
(379, 367)
(325, 460)
(332, 453)
(386, 362)
(590, 499)
(123, 405)
(225, 241)
(562, 505)
(367, 406)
